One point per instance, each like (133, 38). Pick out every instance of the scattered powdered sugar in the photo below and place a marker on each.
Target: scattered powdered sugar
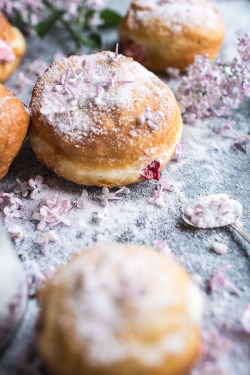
(175, 14)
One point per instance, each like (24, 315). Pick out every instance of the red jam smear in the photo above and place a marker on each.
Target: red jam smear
(152, 171)
(132, 49)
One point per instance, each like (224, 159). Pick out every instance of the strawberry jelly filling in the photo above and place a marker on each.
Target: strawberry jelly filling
(132, 49)
(152, 170)
(6, 52)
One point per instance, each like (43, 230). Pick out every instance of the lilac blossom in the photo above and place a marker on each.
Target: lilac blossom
(81, 201)
(159, 197)
(11, 207)
(219, 280)
(107, 195)
(45, 238)
(215, 346)
(37, 185)
(22, 82)
(9, 199)
(178, 153)
(241, 139)
(163, 247)
(37, 67)
(99, 216)
(16, 231)
(245, 319)
(214, 88)
(74, 15)
(53, 212)
(151, 118)
(23, 188)
(11, 212)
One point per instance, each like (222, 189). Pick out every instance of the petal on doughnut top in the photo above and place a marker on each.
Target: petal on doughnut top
(12, 48)
(101, 119)
(164, 33)
(120, 309)
(14, 122)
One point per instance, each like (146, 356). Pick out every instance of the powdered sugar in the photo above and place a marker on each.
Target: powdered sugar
(78, 93)
(112, 280)
(213, 211)
(176, 15)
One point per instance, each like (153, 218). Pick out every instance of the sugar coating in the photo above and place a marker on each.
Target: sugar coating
(118, 291)
(213, 211)
(100, 87)
(175, 14)
(3, 105)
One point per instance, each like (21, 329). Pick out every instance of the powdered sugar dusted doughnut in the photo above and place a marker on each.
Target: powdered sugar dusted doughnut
(14, 122)
(13, 290)
(102, 119)
(12, 48)
(170, 33)
(120, 309)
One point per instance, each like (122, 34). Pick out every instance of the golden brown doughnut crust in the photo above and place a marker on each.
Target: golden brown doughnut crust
(14, 122)
(115, 147)
(164, 47)
(14, 38)
(155, 335)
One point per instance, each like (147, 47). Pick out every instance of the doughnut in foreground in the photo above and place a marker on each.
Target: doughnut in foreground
(14, 122)
(120, 309)
(103, 120)
(12, 48)
(162, 34)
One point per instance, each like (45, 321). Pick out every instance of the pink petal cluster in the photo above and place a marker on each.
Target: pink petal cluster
(219, 280)
(35, 11)
(11, 207)
(151, 118)
(214, 88)
(241, 139)
(108, 196)
(159, 197)
(52, 212)
(178, 153)
(214, 349)
(164, 248)
(245, 319)
(35, 184)
(16, 231)
(45, 238)
(22, 81)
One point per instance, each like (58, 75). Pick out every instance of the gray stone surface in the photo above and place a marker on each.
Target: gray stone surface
(211, 164)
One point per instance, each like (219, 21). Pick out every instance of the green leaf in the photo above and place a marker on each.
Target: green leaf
(93, 40)
(43, 27)
(110, 18)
